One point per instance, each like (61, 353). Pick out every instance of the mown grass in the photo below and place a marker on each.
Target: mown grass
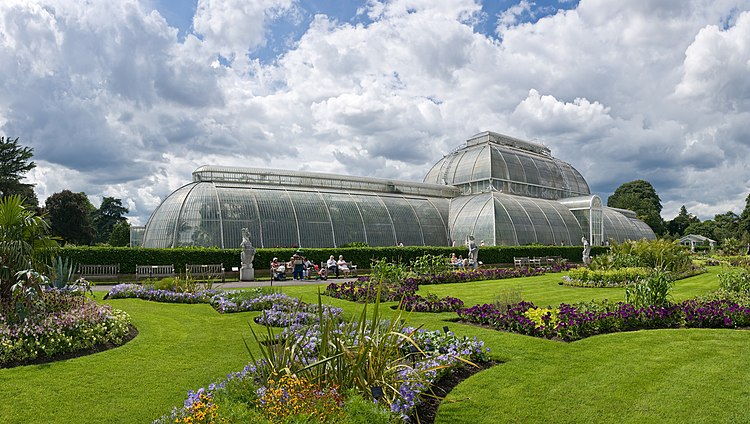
(646, 376)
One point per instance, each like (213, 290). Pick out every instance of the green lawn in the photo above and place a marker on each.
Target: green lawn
(647, 376)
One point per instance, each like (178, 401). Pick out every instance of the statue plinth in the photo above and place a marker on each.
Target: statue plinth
(247, 274)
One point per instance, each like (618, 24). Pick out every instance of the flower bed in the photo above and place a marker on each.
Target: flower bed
(575, 322)
(71, 324)
(221, 300)
(585, 277)
(363, 291)
(620, 277)
(284, 314)
(431, 303)
(467, 275)
(424, 356)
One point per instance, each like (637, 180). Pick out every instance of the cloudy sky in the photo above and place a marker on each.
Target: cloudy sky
(126, 98)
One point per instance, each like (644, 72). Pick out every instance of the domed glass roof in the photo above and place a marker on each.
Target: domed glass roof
(494, 162)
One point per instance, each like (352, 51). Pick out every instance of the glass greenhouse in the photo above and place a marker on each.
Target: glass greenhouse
(501, 190)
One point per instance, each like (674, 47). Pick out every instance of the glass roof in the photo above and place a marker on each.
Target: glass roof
(210, 214)
(512, 166)
(283, 178)
(501, 219)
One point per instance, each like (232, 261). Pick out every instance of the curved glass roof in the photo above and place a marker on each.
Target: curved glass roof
(277, 177)
(619, 227)
(510, 166)
(211, 214)
(501, 219)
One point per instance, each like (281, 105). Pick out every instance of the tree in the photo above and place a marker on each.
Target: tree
(24, 244)
(110, 212)
(120, 235)
(705, 229)
(677, 226)
(69, 217)
(14, 164)
(726, 226)
(744, 224)
(640, 197)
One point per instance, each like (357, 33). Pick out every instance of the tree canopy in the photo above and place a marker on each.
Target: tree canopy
(640, 197)
(69, 217)
(110, 212)
(15, 162)
(678, 224)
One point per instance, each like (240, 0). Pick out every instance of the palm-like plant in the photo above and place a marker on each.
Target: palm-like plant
(24, 245)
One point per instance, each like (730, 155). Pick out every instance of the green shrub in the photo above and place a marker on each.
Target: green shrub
(735, 280)
(584, 277)
(129, 257)
(657, 254)
(653, 290)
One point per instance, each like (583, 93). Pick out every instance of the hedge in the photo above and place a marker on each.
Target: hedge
(129, 257)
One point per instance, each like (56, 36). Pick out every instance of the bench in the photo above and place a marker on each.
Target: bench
(525, 262)
(522, 262)
(204, 272)
(90, 272)
(352, 269)
(153, 271)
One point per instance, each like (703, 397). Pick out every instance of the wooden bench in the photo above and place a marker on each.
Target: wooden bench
(90, 272)
(204, 272)
(522, 262)
(153, 271)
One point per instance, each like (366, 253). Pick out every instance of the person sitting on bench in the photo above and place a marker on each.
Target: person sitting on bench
(332, 266)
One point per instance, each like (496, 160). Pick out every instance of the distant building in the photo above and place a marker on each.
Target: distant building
(693, 240)
(499, 189)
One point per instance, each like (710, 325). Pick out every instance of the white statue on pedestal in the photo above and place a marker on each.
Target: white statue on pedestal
(586, 251)
(247, 273)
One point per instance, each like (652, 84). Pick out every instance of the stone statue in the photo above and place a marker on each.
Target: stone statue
(473, 252)
(247, 273)
(586, 251)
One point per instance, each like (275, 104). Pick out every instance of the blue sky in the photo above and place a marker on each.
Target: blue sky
(283, 32)
(127, 98)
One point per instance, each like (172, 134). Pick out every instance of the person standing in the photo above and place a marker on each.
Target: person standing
(297, 263)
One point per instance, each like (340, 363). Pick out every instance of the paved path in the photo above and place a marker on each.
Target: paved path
(104, 287)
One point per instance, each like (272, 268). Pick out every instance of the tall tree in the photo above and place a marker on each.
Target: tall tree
(678, 224)
(15, 162)
(726, 226)
(110, 212)
(705, 229)
(69, 217)
(120, 235)
(744, 223)
(640, 197)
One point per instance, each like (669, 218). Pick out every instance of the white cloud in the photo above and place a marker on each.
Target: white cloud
(114, 103)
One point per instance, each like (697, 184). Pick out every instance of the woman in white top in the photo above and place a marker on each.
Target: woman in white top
(332, 265)
(343, 266)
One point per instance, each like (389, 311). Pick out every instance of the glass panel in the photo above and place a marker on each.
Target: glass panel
(405, 221)
(465, 166)
(522, 225)
(277, 221)
(238, 211)
(160, 229)
(433, 216)
(199, 224)
(347, 220)
(378, 224)
(315, 228)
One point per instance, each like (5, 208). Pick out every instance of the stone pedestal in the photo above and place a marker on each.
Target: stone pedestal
(247, 274)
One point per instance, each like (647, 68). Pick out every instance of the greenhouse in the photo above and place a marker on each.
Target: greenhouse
(501, 190)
